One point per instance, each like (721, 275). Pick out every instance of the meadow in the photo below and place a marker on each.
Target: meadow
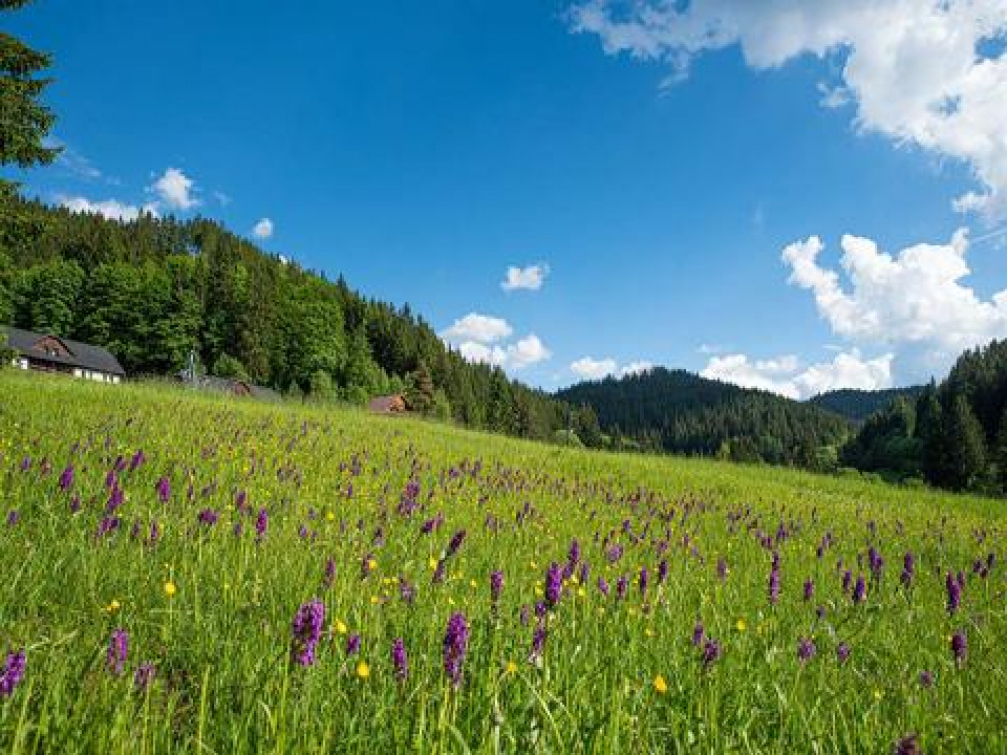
(183, 572)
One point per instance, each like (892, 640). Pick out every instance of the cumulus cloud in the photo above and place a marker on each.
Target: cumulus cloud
(787, 376)
(528, 278)
(263, 229)
(478, 328)
(588, 368)
(175, 190)
(920, 72)
(525, 352)
(481, 338)
(514, 356)
(914, 302)
(108, 208)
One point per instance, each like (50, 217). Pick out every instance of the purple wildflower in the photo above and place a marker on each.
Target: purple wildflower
(954, 590)
(538, 642)
(859, 590)
(959, 647)
(496, 586)
(353, 644)
(13, 517)
(306, 631)
(118, 651)
(553, 585)
(644, 579)
(12, 674)
(261, 524)
(806, 649)
(908, 569)
(66, 478)
(926, 679)
(698, 634)
(842, 652)
(721, 569)
(809, 590)
(456, 542)
(621, 586)
(907, 745)
(662, 571)
(406, 591)
(774, 585)
(603, 586)
(711, 653)
(456, 639)
(399, 661)
(208, 517)
(144, 676)
(163, 489)
(330, 572)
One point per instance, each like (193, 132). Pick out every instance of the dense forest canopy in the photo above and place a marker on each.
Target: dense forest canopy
(154, 289)
(953, 435)
(858, 405)
(679, 412)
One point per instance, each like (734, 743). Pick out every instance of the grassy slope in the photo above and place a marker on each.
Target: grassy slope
(220, 645)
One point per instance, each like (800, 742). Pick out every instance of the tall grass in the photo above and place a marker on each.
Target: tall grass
(341, 485)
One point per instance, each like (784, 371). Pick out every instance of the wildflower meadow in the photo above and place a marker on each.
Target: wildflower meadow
(184, 572)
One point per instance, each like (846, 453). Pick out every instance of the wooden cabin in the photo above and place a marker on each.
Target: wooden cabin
(394, 404)
(45, 352)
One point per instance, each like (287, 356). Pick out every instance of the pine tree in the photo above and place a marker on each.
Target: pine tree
(420, 390)
(24, 120)
(930, 434)
(966, 449)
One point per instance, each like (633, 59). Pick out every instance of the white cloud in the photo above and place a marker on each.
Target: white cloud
(528, 278)
(527, 351)
(176, 190)
(911, 68)
(636, 368)
(515, 356)
(785, 375)
(478, 328)
(263, 229)
(108, 208)
(914, 302)
(588, 368)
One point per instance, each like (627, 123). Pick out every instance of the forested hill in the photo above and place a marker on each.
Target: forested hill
(153, 289)
(858, 405)
(679, 412)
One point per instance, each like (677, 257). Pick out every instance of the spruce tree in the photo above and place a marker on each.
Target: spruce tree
(966, 449)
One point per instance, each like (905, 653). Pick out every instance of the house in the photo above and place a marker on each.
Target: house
(46, 352)
(394, 404)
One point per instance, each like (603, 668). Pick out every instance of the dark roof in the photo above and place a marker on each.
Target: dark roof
(83, 355)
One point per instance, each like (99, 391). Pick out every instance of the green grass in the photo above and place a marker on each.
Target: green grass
(221, 645)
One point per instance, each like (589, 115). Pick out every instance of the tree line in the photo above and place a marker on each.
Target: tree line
(154, 289)
(675, 411)
(952, 435)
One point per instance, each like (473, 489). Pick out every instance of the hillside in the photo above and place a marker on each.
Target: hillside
(154, 289)
(679, 412)
(858, 405)
(201, 573)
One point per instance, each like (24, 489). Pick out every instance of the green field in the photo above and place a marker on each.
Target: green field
(79, 562)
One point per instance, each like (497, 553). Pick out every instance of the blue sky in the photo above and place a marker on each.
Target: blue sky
(653, 170)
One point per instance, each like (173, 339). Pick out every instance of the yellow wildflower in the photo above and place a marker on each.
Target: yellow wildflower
(741, 625)
(170, 589)
(363, 670)
(511, 667)
(341, 627)
(660, 685)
